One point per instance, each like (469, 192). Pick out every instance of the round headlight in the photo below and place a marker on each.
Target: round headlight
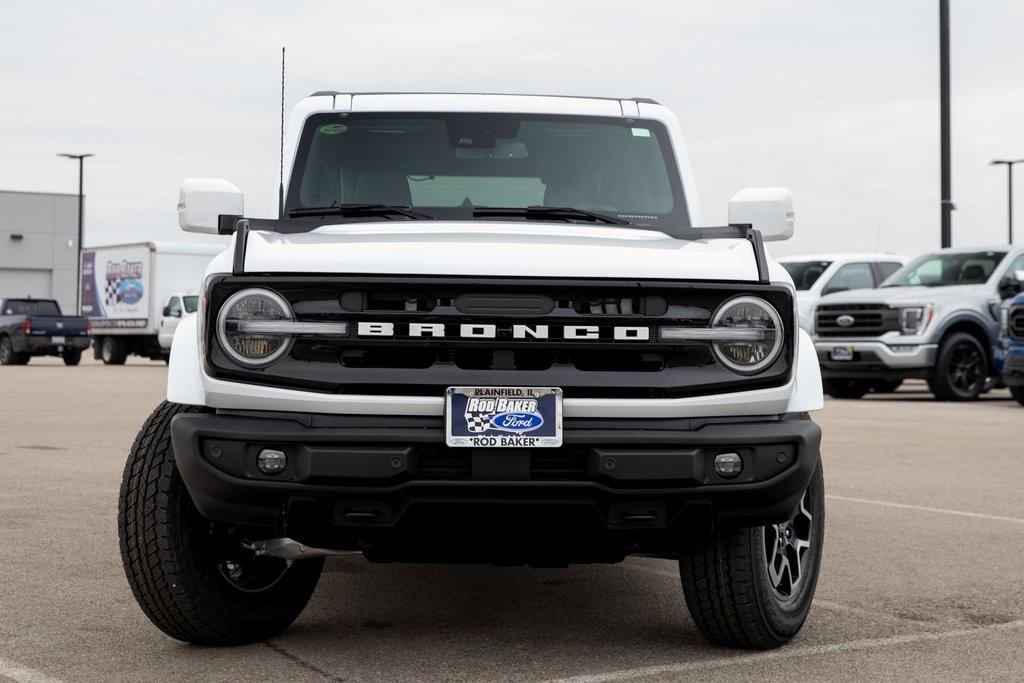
(748, 313)
(243, 330)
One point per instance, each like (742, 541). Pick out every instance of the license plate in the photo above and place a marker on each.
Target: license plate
(503, 417)
(842, 353)
(57, 340)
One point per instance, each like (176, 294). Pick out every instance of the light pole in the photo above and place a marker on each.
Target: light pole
(946, 201)
(81, 174)
(1009, 189)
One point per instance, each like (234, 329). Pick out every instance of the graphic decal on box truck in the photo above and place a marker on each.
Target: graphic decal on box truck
(117, 296)
(90, 305)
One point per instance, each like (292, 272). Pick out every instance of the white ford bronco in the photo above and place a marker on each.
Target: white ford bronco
(490, 329)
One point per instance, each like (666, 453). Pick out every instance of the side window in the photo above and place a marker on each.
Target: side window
(175, 306)
(1012, 281)
(1016, 267)
(885, 269)
(851, 276)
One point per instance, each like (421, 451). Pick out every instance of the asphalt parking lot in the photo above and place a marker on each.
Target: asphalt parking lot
(922, 573)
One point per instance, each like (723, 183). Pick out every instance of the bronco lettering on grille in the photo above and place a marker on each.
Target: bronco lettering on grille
(491, 331)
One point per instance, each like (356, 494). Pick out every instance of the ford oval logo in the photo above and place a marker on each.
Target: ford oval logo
(845, 320)
(517, 422)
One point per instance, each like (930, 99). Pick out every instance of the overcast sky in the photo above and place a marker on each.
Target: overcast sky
(836, 100)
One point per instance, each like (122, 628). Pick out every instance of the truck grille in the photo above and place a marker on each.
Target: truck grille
(605, 366)
(863, 320)
(1016, 322)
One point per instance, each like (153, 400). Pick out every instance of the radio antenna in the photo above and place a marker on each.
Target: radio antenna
(280, 187)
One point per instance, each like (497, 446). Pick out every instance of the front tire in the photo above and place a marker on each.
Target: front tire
(961, 369)
(193, 578)
(112, 351)
(1018, 393)
(72, 356)
(752, 588)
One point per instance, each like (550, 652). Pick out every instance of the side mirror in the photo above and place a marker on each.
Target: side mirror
(167, 311)
(767, 209)
(1010, 286)
(203, 200)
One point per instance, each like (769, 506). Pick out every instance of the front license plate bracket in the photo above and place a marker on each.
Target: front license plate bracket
(503, 417)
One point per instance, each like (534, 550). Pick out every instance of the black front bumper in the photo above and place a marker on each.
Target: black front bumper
(390, 487)
(1013, 366)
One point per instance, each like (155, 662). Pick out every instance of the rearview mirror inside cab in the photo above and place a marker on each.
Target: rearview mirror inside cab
(767, 209)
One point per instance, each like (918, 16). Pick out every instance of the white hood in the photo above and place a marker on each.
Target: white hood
(498, 248)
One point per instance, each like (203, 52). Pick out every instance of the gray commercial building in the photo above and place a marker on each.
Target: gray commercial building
(39, 246)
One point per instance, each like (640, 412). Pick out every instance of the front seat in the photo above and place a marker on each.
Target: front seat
(972, 274)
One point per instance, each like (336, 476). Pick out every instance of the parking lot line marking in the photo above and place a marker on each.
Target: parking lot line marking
(785, 653)
(23, 674)
(925, 508)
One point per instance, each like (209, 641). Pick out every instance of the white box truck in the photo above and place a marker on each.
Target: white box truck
(136, 294)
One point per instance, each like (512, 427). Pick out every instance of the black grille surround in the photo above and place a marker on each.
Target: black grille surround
(1015, 323)
(600, 368)
(869, 320)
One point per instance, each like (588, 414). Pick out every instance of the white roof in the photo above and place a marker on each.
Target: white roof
(842, 257)
(476, 102)
(983, 247)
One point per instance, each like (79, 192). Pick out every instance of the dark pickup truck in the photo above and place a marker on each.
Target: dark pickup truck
(36, 327)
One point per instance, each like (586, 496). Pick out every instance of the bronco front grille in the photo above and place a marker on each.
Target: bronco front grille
(607, 365)
(855, 320)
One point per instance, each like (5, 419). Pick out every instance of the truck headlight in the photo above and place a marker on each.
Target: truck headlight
(246, 330)
(748, 313)
(914, 319)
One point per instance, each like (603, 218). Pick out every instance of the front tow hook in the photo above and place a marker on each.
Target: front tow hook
(289, 549)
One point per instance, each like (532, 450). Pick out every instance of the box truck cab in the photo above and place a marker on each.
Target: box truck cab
(136, 294)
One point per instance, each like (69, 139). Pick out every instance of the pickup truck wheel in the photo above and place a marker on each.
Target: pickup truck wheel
(194, 578)
(8, 356)
(961, 369)
(752, 588)
(845, 388)
(71, 356)
(112, 351)
(1018, 393)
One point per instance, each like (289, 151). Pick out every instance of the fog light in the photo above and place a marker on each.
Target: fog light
(273, 462)
(728, 465)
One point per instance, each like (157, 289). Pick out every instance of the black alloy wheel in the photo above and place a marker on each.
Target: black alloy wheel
(962, 369)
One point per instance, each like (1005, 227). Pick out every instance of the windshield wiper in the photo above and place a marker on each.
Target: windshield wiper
(565, 213)
(359, 210)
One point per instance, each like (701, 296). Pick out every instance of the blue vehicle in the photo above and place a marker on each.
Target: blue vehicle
(1009, 350)
(36, 327)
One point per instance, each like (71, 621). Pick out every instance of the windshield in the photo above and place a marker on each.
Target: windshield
(191, 303)
(942, 270)
(444, 165)
(805, 273)
(31, 307)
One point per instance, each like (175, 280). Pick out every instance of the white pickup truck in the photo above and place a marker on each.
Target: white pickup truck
(484, 328)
